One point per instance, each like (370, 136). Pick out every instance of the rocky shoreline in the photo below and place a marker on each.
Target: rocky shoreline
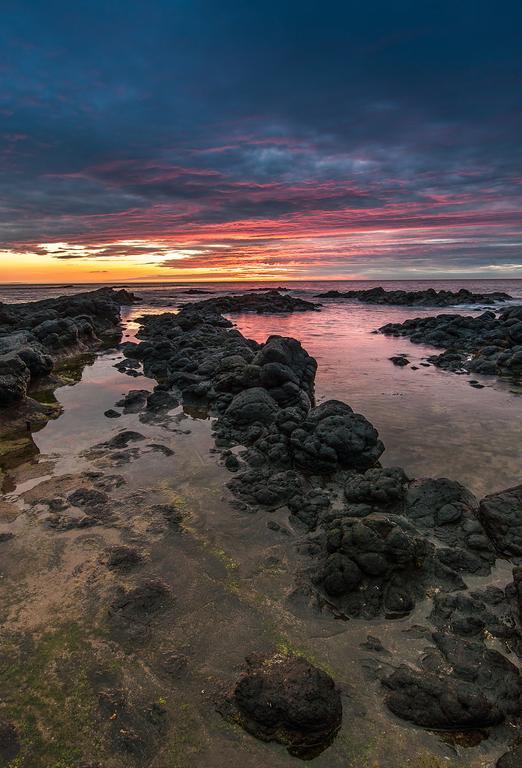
(262, 301)
(378, 541)
(425, 298)
(37, 337)
(487, 344)
(374, 544)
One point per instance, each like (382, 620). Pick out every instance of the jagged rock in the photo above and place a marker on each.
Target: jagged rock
(286, 369)
(38, 363)
(377, 565)
(33, 334)
(490, 610)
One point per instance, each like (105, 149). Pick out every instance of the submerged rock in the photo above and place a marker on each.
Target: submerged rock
(122, 439)
(122, 557)
(462, 685)
(134, 401)
(133, 610)
(400, 360)
(286, 699)
(112, 414)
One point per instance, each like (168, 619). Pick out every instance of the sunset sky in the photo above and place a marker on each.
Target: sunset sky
(237, 139)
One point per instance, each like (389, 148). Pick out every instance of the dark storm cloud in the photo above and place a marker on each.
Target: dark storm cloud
(182, 119)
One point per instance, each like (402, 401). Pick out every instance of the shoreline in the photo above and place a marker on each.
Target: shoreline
(380, 493)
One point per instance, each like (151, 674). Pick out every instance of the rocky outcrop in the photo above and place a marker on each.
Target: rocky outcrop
(264, 302)
(34, 335)
(377, 542)
(333, 437)
(487, 344)
(286, 699)
(501, 516)
(462, 685)
(425, 298)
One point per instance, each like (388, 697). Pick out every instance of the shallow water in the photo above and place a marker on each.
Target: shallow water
(431, 422)
(232, 576)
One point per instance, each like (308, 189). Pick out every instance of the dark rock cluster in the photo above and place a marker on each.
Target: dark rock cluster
(461, 685)
(425, 298)
(377, 541)
(269, 301)
(34, 335)
(487, 344)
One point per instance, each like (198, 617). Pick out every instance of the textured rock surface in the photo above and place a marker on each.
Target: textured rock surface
(501, 515)
(332, 437)
(486, 344)
(35, 334)
(286, 699)
(377, 542)
(265, 302)
(462, 685)
(426, 298)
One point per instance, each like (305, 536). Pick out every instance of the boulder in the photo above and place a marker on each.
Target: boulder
(14, 379)
(377, 486)
(250, 407)
(463, 685)
(286, 699)
(332, 437)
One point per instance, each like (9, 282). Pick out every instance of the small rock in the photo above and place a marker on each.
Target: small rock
(112, 414)
(399, 360)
